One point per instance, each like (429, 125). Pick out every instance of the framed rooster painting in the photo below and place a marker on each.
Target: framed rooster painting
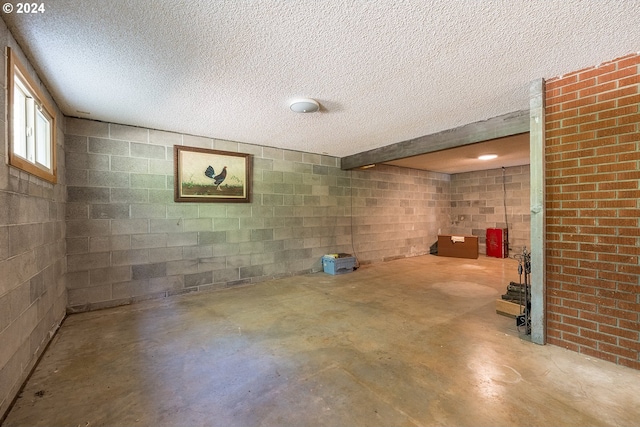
(204, 175)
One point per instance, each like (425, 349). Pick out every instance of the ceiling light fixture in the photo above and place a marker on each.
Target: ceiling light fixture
(304, 105)
(487, 157)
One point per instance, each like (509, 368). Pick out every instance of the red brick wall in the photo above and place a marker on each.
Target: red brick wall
(593, 192)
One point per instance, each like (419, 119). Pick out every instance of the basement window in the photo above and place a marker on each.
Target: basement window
(32, 124)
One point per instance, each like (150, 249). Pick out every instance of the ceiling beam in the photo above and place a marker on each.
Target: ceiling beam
(496, 127)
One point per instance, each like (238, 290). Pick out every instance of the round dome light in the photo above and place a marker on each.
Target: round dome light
(304, 105)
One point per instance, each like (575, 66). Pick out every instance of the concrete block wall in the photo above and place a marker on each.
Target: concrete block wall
(127, 240)
(593, 208)
(33, 295)
(398, 212)
(478, 202)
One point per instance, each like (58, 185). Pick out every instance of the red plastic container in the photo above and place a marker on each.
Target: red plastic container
(497, 242)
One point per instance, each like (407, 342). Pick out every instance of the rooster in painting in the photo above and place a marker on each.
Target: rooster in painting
(217, 179)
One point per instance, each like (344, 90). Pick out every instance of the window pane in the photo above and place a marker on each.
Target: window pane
(43, 140)
(32, 124)
(19, 122)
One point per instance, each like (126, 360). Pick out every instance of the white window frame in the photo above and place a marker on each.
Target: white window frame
(31, 122)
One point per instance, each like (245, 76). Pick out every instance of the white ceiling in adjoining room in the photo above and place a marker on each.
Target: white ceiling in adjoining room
(510, 151)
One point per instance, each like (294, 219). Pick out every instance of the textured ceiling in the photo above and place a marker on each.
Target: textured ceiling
(384, 71)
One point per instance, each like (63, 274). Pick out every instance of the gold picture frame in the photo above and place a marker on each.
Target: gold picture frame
(202, 175)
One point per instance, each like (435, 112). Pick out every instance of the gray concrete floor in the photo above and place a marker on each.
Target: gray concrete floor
(404, 343)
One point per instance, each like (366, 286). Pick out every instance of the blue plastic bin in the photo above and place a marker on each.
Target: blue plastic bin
(335, 266)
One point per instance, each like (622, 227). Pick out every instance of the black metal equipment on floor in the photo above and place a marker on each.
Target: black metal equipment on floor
(520, 293)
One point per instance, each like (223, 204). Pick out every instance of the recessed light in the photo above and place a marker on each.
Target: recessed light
(487, 157)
